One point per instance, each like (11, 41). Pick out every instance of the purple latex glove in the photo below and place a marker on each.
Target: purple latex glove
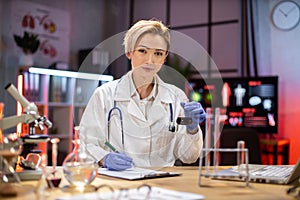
(195, 111)
(117, 161)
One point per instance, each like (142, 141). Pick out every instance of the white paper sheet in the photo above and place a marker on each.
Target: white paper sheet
(136, 173)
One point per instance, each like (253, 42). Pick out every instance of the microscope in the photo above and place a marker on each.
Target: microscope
(29, 116)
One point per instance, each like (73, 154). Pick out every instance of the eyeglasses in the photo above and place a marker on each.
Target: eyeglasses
(141, 192)
(157, 54)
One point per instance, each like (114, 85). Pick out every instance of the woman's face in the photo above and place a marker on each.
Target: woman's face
(149, 54)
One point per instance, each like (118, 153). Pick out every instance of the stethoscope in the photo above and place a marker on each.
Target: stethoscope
(171, 127)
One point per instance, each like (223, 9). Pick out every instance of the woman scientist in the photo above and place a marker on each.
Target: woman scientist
(136, 114)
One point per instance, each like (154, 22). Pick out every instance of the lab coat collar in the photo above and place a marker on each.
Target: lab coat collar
(125, 89)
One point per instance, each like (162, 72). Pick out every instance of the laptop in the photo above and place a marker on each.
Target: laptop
(274, 174)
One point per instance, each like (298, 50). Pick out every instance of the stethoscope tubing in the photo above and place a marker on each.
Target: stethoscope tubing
(171, 127)
(115, 107)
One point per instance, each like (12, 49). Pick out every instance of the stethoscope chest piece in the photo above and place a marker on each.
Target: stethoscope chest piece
(172, 127)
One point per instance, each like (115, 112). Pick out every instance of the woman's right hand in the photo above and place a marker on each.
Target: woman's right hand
(117, 161)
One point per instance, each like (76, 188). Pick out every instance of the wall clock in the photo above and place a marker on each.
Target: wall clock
(286, 15)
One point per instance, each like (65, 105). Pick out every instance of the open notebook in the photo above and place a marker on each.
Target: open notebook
(264, 173)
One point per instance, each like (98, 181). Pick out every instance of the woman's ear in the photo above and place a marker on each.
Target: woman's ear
(167, 53)
(128, 55)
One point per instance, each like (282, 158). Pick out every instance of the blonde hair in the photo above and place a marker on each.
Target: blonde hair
(143, 27)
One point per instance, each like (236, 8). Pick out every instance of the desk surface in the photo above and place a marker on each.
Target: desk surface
(187, 182)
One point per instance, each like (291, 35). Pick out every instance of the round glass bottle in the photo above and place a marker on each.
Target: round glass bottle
(78, 167)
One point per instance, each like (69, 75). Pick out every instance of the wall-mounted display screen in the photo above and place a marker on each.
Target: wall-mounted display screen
(249, 102)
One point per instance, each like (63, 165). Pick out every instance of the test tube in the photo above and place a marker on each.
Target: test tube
(240, 153)
(54, 142)
(207, 142)
(216, 136)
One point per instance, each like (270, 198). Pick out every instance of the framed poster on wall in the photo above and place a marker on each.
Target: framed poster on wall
(52, 26)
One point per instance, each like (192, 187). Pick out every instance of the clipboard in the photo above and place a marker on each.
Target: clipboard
(136, 173)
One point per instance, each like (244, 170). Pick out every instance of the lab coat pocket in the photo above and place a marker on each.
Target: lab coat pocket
(164, 142)
(164, 147)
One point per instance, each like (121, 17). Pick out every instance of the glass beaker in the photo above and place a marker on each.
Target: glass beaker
(79, 168)
(1, 136)
(10, 149)
(1, 115)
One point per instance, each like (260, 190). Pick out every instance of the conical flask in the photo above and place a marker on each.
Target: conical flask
(79, 168)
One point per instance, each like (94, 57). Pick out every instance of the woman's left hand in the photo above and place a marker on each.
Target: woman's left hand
(195, 111)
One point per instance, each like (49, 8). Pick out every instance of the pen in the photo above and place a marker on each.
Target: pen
(111, 147)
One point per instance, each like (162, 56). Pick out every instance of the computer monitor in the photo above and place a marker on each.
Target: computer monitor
(248, 101)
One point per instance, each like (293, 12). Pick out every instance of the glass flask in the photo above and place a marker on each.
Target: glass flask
(79, 168)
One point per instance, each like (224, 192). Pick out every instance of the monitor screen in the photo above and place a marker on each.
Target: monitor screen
(249, 102)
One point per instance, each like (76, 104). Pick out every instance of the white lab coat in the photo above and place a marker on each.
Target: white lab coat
(147, 141)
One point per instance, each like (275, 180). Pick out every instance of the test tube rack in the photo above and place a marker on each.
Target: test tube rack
(211, 168)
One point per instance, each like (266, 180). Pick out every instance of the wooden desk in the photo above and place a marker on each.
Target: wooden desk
(187, 182)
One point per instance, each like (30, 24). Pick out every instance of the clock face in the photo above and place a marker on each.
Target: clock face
(286, 15)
